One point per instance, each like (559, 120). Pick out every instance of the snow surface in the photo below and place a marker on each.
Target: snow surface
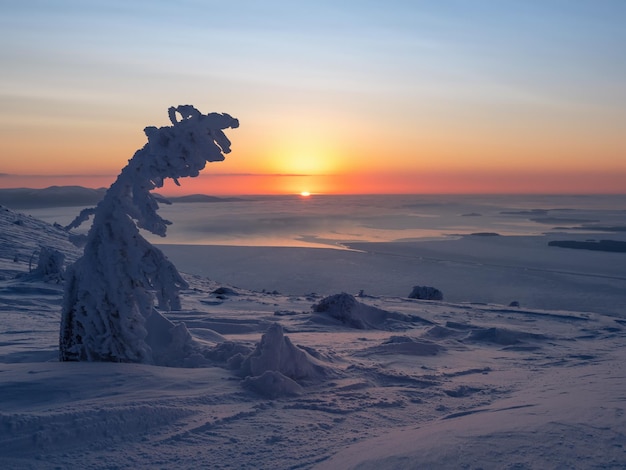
(500, 270)
(303, 381)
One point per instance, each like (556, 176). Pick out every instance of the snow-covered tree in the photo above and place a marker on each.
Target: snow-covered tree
(49, 266)
(108, 303)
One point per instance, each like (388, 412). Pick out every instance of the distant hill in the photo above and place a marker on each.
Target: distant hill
(71, 196)
(201, 198)
(54, 196)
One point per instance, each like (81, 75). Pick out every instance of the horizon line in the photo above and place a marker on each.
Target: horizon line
(430, 193)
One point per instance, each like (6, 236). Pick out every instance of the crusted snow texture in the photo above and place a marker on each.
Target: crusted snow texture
(109, 290)
(349, 311)
(277, 354)
(426, 293)
(406, 345)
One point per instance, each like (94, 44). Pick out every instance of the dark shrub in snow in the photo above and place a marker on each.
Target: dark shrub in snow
(426, 293)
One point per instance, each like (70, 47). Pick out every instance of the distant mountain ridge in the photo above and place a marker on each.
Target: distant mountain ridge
(70, 196)
(197, 198)
(53, 196)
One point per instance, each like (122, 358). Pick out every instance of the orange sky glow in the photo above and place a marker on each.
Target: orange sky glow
(418, 98)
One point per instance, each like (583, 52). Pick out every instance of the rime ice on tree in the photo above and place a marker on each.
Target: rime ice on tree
(108, 310)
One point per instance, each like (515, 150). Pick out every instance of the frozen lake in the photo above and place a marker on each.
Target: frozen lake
(336, 221)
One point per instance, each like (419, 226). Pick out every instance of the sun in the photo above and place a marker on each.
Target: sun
(305, 194)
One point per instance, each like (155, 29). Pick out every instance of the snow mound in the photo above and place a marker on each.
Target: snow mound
(277, 355)
(224, 292)
(171, 344)
(407, 346)
(50, 263)
(230, 353)
(503, 336)
(273, 384)
(49, 266)
(441, 332)
(349, 311)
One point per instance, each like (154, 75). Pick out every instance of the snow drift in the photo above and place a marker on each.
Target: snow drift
(349, 311)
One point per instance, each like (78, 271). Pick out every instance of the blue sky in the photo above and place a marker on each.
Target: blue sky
(342, 69)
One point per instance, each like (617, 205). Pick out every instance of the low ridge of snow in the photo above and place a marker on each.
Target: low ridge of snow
(345, 308)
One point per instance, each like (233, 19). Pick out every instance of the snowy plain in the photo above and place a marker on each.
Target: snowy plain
(392, 382)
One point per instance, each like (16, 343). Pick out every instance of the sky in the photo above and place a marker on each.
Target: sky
(446, 96)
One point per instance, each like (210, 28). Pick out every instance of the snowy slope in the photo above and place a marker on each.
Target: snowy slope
(21, 237)
(395, 383)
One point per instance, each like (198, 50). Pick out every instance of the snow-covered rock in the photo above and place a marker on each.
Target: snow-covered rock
(349, 311)
(426, 293)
